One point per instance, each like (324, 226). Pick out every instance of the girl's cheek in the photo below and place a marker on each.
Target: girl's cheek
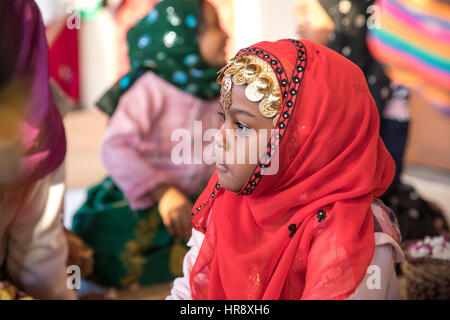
(247, 148)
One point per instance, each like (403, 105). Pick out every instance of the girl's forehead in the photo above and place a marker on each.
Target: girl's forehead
(259, 79)
(209, 11)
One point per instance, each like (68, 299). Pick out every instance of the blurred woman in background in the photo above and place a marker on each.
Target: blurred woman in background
(342, 25)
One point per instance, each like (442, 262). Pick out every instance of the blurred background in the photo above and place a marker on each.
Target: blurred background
(88, 54)
(89, 59)
(99, 51)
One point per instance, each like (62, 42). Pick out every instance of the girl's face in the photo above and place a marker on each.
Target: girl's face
(211, 39)
(241, 140)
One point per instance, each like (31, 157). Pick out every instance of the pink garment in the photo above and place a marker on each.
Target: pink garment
(137, 148)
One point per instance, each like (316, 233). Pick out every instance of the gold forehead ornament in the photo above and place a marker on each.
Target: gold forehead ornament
(262, 84)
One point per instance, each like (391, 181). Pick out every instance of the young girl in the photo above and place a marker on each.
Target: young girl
(314, 229)
(175, 53)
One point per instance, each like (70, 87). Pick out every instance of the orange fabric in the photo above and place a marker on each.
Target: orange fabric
(431, 93)
(432, 6)
(330, 158)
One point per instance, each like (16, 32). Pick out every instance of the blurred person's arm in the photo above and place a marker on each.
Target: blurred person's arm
(175, 210)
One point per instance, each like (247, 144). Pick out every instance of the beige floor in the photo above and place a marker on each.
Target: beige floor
(85, 131)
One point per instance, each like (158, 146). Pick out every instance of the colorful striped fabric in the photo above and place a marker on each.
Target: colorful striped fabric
(412, 39)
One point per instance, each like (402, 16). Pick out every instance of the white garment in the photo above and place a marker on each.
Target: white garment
(33, 247)
(52, 10)
(380, 282)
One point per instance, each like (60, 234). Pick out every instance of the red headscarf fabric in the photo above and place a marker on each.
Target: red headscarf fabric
(331, 158)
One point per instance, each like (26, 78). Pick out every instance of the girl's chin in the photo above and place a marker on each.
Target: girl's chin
(223, 174)
(225, 183)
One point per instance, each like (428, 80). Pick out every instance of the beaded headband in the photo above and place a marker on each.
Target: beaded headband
(262, 84)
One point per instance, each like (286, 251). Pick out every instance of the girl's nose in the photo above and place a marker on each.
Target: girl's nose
(220, 139)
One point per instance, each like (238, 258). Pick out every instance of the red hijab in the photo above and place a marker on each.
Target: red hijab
(306, 232)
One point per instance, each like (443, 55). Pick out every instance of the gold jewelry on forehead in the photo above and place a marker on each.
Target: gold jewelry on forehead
(225, 92)
(262, 84)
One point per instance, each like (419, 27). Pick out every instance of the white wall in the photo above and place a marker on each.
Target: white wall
(98, 57)
(259, 20)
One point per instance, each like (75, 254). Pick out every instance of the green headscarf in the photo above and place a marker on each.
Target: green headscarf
(165, 42)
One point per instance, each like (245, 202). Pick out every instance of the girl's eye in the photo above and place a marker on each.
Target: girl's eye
(242, 127)
(221, 115)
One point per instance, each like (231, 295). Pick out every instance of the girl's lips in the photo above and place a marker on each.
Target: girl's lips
(222, 167)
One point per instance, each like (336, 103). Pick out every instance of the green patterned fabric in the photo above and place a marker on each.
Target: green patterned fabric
(89, 9)
(165, 42)
(129, 246)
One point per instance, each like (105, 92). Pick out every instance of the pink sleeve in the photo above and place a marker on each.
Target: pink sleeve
(125, 137)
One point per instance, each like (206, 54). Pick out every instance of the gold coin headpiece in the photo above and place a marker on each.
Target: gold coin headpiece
(262, 84)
